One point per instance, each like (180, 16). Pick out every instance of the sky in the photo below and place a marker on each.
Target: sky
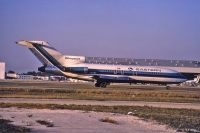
(153, 29)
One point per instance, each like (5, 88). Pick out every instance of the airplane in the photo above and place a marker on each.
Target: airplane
(101, 74)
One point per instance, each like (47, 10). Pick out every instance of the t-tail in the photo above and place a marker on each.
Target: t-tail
(53, 61)
(47, 55)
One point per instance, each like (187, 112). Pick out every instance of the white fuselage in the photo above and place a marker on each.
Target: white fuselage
(77, 67)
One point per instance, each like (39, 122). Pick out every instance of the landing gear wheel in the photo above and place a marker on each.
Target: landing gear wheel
(167, 87)
(101, 84)
(97, 85)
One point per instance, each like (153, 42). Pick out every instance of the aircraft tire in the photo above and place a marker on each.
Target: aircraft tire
(97, 84)
(103, 84)
(167, 87)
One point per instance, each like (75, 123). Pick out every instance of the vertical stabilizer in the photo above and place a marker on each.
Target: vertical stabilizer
(47, 55)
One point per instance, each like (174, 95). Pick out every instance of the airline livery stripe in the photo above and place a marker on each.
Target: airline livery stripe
(48, 56)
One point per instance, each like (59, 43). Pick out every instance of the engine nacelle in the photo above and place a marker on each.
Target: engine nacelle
(78, 69)
(55, 70)
(49, 69)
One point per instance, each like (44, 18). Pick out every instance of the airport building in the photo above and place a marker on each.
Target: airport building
(25, 77)
(2, 70)
(183, 66)
(11, 76)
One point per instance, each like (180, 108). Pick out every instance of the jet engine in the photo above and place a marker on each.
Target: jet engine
(49, 69)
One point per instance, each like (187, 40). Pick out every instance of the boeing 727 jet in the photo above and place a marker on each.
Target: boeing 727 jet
(102, 74)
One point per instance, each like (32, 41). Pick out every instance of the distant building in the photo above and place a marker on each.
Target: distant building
(76, 80)
(26, 77)
(41, 78)
(2, 70)
(57, 78)
(182, 66)
(11, 76)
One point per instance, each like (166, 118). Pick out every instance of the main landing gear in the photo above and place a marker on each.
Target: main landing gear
(101, 84)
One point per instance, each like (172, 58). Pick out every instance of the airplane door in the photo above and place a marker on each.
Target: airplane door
(118, 71)
(122, 72)
(115, 71)
(135, 73)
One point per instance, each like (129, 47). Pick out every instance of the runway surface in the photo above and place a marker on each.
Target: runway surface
(104, 103)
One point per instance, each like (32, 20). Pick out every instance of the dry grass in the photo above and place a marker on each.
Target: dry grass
(102, 94)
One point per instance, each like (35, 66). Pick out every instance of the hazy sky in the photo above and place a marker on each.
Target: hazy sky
(161, 29)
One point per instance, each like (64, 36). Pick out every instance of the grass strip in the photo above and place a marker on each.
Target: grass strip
(104, 94)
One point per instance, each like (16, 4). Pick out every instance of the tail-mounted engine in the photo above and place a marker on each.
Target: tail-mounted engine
(49, 69)
(77, 69)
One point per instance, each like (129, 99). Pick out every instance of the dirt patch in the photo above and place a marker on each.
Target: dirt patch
(46, 123)
(74, 121)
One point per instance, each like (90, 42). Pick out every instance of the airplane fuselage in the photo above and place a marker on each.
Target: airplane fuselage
(118, 73)
(76, 67)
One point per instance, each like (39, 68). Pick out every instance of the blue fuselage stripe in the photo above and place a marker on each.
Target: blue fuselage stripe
(136, 73)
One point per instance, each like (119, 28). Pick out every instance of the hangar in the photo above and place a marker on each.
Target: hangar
(182, 66)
